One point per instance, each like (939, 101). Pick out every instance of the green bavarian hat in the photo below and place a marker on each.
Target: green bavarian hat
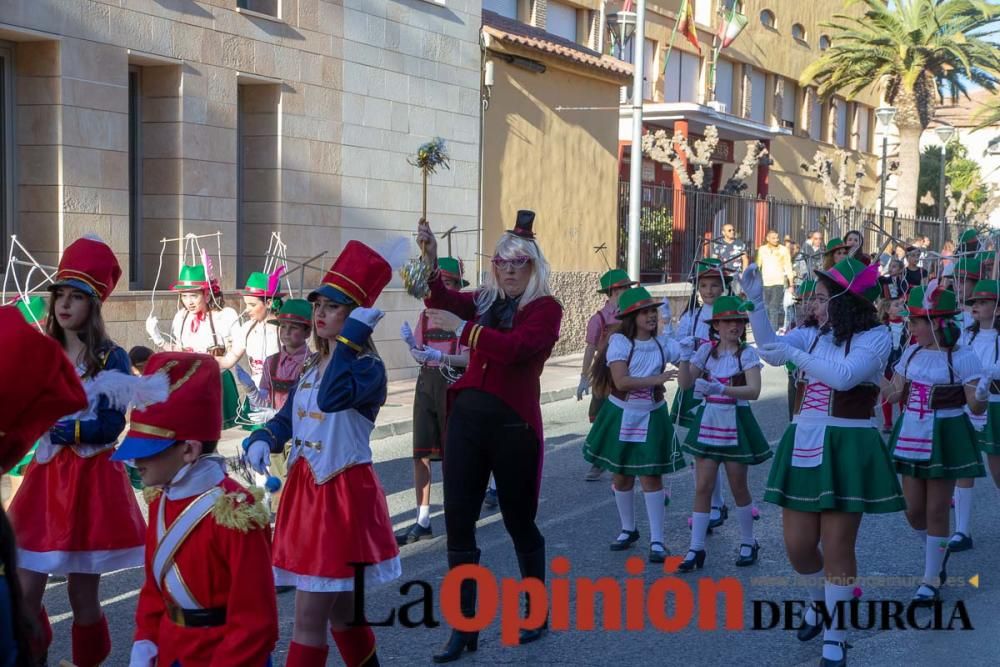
(835, 244)
(730, 308)
(856, 277)
(938, 303)
(259, 285)
(710, 266)
(615, 278)
(634, 300)
(968, 235)
(969, 266)
(34, 309)
(295, 311)
(806, 288)
(984, 289)
(452, 268)
(190, 279)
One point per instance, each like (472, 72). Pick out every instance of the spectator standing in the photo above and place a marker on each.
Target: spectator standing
(729, 247)
(810, 257)
(914, 274)
(775, 264)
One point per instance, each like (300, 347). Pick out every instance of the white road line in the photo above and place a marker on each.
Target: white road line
(104, 603)
(57, 584)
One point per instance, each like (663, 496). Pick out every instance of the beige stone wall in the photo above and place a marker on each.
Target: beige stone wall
(315, 109)
(577, 292)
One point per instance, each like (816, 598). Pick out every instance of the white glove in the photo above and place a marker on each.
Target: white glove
(993, 372)
(983, 389)
(753, 285)
(776, 354)
(583, 387)
(245, 378)
(259, 456)
(687, 345)
(144, 654)
(406, 333)
(708, 387)
(153, 329)
(666, 314)
(367, 316)
(422, 356)
(261, 398)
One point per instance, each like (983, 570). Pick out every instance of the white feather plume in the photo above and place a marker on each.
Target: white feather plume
(928, 293)
(124, 391)
(395, 251)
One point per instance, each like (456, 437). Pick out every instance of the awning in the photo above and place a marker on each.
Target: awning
(698, 117)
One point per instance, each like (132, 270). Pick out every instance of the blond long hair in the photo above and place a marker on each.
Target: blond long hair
(509, 247)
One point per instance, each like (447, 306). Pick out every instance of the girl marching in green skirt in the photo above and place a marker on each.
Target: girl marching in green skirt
(831, 466)
(934, 442)
(726, 373)
(632, 434)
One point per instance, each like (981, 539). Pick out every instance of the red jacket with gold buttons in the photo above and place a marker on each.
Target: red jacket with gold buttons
(505, 363)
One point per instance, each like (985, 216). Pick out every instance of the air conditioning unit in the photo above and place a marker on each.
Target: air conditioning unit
(718, 106)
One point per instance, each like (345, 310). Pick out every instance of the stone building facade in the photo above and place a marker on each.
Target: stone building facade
(151, 119)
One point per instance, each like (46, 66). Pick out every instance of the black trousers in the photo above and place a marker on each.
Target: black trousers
(485, 435)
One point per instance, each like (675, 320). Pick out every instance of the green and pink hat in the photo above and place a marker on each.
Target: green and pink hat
(983, 291)
(931, 301)
(856, 277)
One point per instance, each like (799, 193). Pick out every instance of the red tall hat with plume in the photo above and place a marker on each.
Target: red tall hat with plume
(42, 386)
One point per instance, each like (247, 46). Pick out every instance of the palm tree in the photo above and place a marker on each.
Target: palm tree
(916, 51)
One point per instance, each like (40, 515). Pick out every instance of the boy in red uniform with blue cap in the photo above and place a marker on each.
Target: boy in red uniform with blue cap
(208, 598)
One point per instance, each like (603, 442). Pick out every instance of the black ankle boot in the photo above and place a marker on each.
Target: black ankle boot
(461, 641)
(532, 565)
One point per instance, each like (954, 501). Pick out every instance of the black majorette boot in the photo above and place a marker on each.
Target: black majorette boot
(460, 641)
(532, 565)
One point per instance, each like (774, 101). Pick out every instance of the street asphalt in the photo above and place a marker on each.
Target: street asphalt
(579, 519)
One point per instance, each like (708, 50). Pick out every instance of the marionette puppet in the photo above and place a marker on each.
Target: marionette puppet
(208, 595)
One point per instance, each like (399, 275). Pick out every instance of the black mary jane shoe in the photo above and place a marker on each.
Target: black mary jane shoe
(723, 515)
(692, 561)
(744, 561)
(807, 631)
(826, 662)
(623, 543)
(457, 643)
(415, 533)
(925, 600)
(658, 555)
(963, 543)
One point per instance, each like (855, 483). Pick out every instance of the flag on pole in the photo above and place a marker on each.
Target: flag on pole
(731, 29)
(685, 24)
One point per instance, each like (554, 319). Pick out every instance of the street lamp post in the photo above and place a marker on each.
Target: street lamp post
(625, 25)
(886, 116)
(945, 133)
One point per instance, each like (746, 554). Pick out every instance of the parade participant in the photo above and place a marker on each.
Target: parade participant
(437, 351)
(633, 435)
(804, 317)
(893, 282)
(333, 510)
(47, 389)
(75, 514)
(510, 324)
(725, 433)
(207, 547)
(831, 466)
(836, 251)
(890, 313)
(968, 242)
(613, 284)
(934, 442)
(967, 272)
(202, 324)
(256, 337)
(710, 279)
(138, 356)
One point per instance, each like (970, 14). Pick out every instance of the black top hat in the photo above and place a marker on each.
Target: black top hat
(522, 228)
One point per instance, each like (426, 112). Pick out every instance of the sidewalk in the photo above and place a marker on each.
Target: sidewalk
(559, 381)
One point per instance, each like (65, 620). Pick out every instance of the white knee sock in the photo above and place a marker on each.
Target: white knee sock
(655, 510)
(745, 516)
(699, 528)
(424, 515)
(626, 508)
(836, 593)
(963, 510)
(817, 593)
(934, 553)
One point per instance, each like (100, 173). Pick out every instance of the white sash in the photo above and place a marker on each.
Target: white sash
(718, 423)
(635, 417)
(169, 540)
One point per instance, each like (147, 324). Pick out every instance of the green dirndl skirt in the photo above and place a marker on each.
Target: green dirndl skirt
(856, 475)
(230, 400)
(989, 437)
(22, 465)
(660, 454)
(751, 447)
(243, 417)
(687, 404)
(958, 459)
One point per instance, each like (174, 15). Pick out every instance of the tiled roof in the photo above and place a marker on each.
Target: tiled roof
(522, 34)
(964, 113)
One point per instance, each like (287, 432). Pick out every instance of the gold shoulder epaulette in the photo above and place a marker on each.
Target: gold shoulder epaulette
(151, 493)
(239, 511)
